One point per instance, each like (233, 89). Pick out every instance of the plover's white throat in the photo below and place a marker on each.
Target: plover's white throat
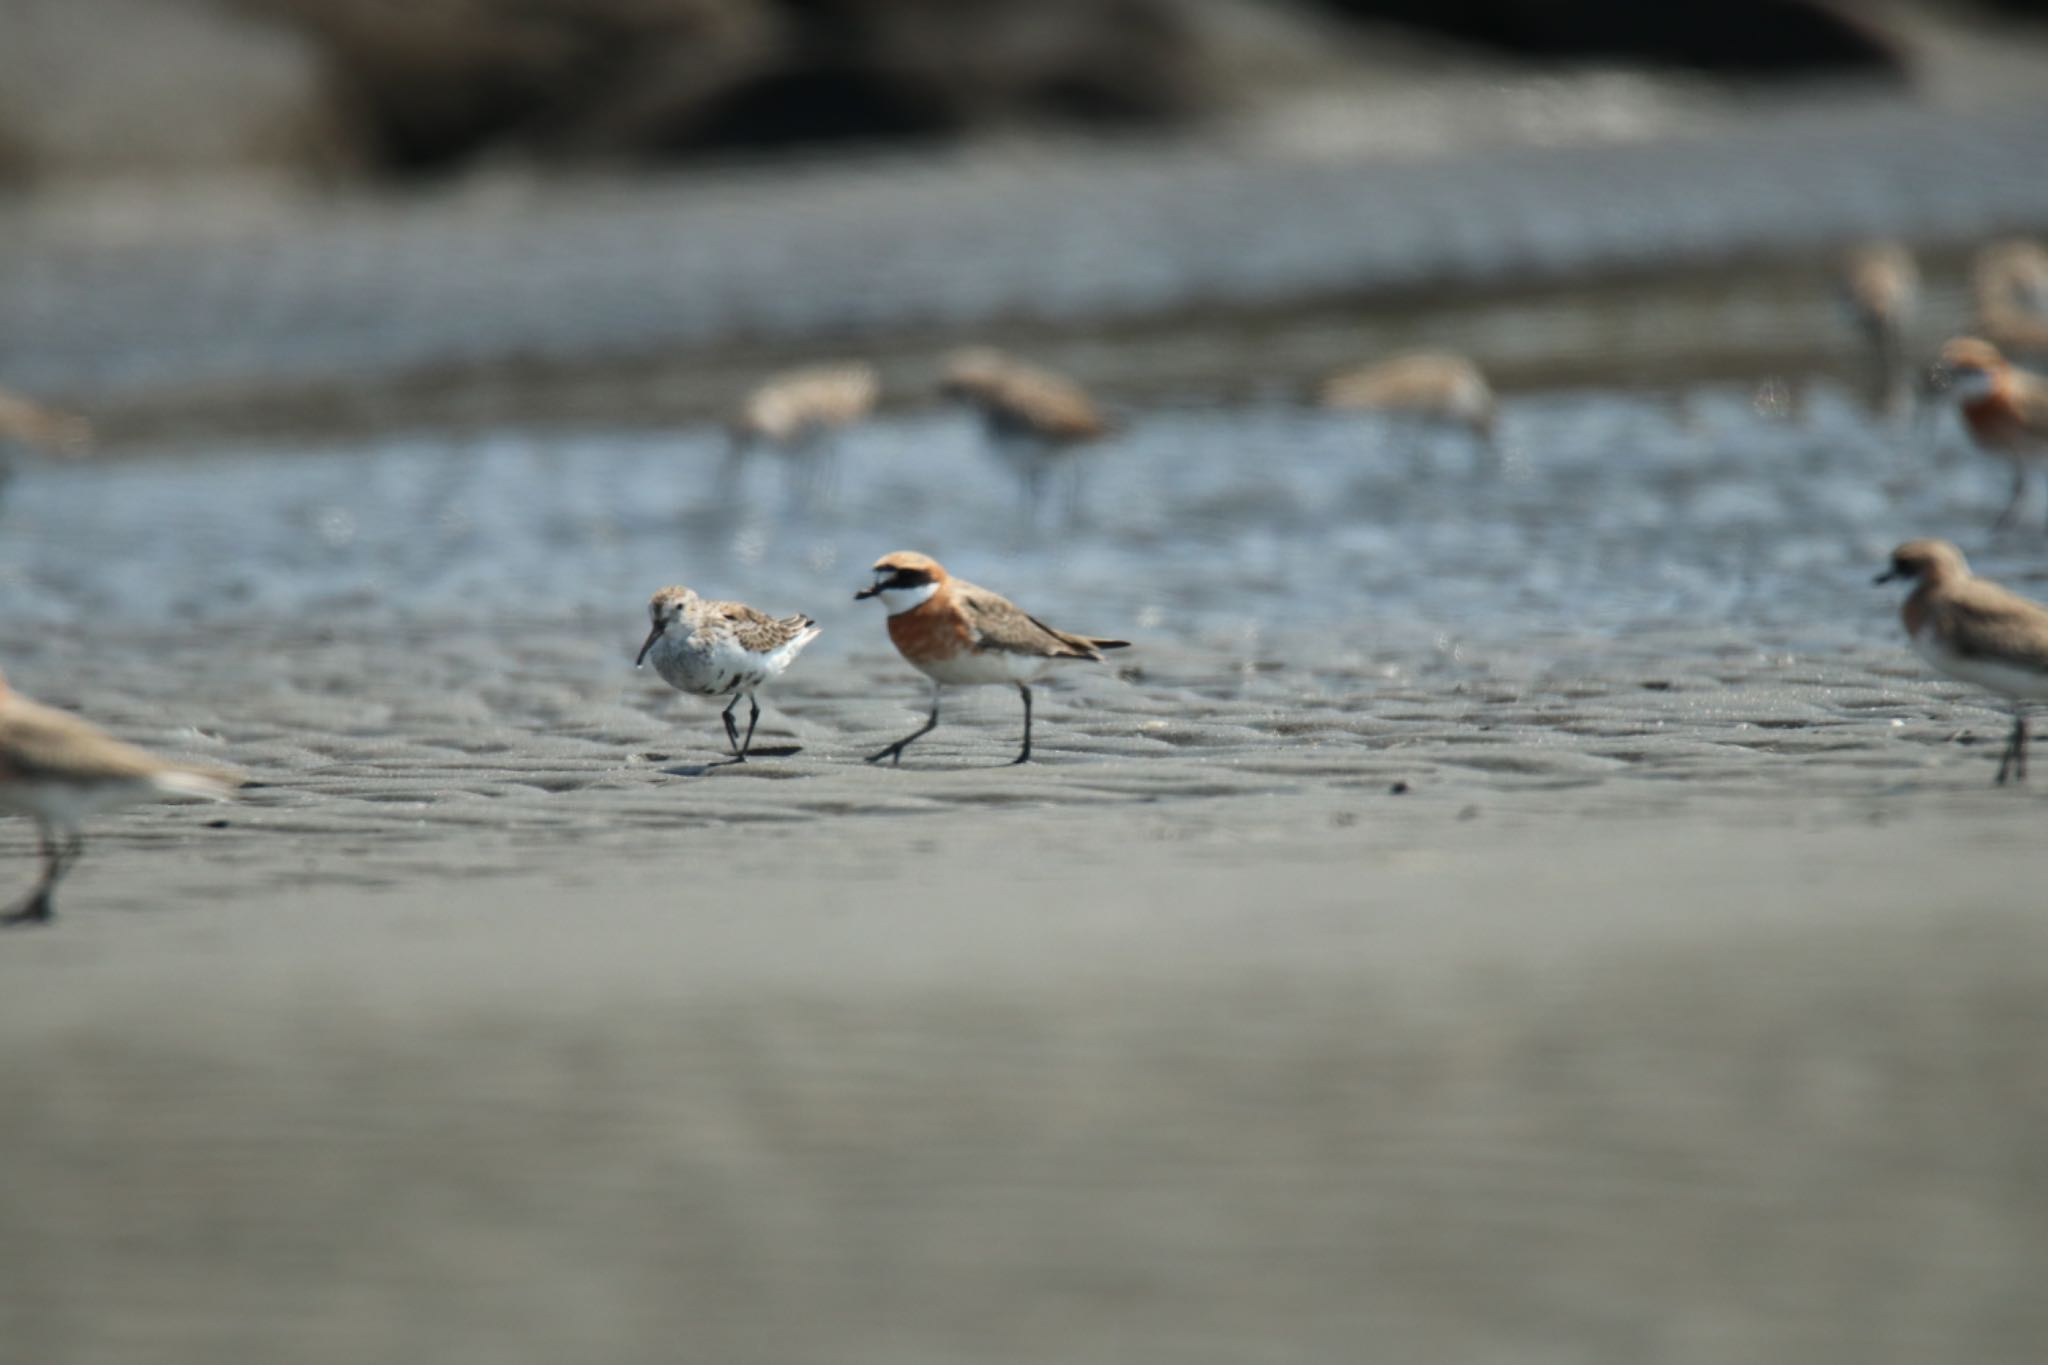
(959, 635)
(2004, 407)
(719, 649)
(1972, 629)
(57, 768)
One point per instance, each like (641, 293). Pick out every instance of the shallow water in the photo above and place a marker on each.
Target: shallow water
(1595, 513)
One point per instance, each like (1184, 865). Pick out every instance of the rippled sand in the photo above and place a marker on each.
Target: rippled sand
(1519, 908)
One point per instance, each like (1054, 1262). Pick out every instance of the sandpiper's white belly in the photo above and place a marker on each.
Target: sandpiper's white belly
(2008, 680)
(718, 665)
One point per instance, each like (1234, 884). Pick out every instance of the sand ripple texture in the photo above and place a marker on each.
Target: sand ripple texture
(1636, 608)
(1535, 913)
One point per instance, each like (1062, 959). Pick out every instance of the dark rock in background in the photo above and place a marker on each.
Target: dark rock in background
(339, 86)
(1732, 37)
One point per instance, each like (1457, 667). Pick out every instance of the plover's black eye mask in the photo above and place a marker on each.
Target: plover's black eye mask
(906, 578)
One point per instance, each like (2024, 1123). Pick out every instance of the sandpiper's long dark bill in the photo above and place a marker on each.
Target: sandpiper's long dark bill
(1974, 630)
(57, 768)
(721, 649)
(959, 635)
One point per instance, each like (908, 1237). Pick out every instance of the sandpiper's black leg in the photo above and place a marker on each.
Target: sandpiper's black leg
(1025, 757)
(894, 752)
(732, 730)
(753, 719)
(36, 909)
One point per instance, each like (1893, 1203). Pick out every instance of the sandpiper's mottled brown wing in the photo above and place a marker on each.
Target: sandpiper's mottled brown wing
(757, 630)
(999, 623)
(41, 742)
(1979, 619)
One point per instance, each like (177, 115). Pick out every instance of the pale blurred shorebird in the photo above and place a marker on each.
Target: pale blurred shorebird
(24, 422)
(1972, 629)
(2009, 285)
(57, 768)
(721, 649)
(1880, 288)
(1432, 386)
(800, 414)
(2004, 408)
(1035, 419)
(959, 635)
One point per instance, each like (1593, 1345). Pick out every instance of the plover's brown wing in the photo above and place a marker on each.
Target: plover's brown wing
(1001, 624)
(757, 630)
(1980, 620)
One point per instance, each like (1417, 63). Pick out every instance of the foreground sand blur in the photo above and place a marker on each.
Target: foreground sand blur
(1253, 1085)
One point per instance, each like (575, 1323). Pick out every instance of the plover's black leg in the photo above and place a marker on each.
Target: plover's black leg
(1025, 756)
(894, 752)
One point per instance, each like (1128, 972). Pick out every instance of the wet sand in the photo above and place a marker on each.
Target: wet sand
(1198, 1046)
(1500, 913)
(1519, 905)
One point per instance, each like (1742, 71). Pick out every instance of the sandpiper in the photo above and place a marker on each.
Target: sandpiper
(718, 649)
(1033, 417)
(57, 768)
(959, 635)
(2005, 409)
(1971, 628)
(1440, 386)
(800, 414)
(2009, 281)
(30, 423)
(1880, 290)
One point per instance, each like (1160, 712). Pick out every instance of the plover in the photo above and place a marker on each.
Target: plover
(1880, 290)
(2005, 409)
(1439, 386)
(959, 635)
(2009, 281)
(1034, 418)
(57, 768)
(1971, 628)
(801, 413)
(718, 649)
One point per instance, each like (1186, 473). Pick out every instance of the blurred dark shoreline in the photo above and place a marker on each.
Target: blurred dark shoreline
(1161, 270)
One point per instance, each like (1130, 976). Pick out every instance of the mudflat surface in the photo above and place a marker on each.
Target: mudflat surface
(1518, 903)
(1505, 907)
